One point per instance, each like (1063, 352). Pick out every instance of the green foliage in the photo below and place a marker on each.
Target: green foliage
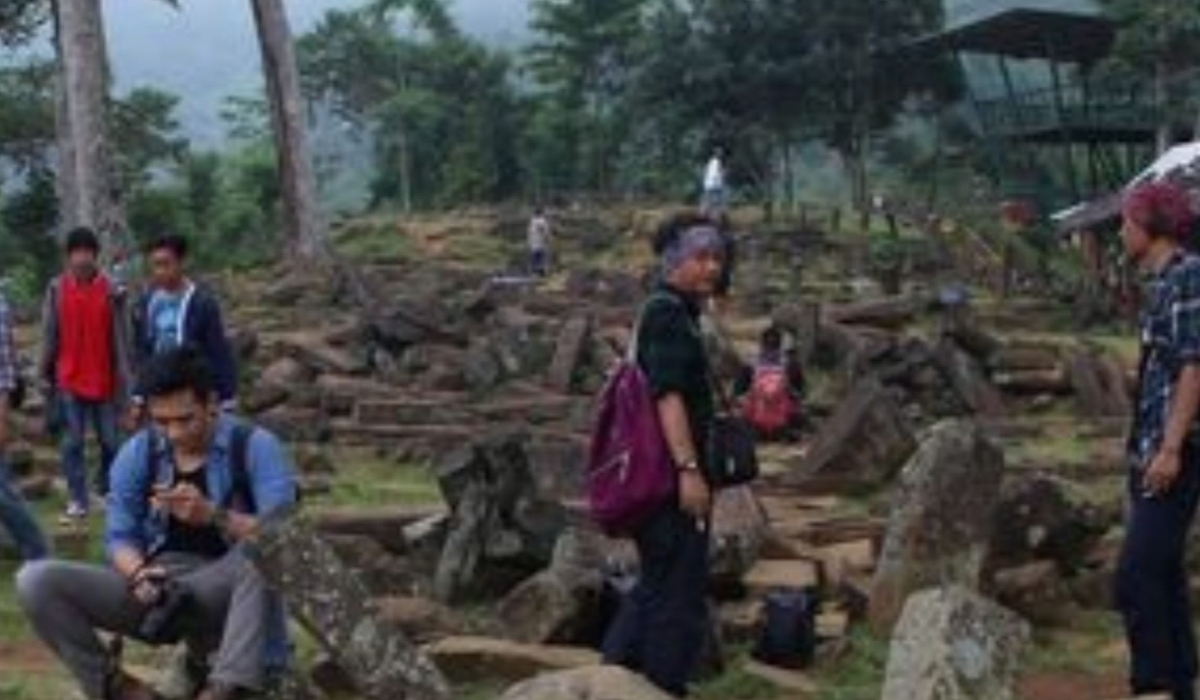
(1163, 33)
(439, 105)
(20, 20)
(27, 249)
(633, 94)
(246, 119)
(859, 674)
(582, 62)
(145, 135)
(1158, 44)
(27, 115)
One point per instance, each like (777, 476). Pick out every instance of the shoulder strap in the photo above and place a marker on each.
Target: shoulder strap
(631, 351)
(240, 464)
(150, 466)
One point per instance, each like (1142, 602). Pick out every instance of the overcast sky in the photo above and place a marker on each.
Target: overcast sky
(207, 50)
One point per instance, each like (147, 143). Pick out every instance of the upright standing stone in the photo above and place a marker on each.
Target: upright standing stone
(569, 353)
(501, 527)
(952, 644)
(861, 447)
(966, 379)
(334, 606)
(941, 519)
(590, 683)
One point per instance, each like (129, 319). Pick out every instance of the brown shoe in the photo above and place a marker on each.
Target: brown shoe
(122, 686)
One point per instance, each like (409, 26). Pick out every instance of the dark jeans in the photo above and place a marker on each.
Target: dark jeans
(77, 415)
(660, 629)
(539, 262)
(1152, 586)
(16, 518)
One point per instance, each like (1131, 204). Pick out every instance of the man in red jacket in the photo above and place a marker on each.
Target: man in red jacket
(83, 361)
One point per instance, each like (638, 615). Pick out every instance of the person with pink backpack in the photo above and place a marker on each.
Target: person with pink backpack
(661, 628)
(769, 392)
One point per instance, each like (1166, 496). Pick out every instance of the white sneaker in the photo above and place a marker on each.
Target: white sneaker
(74, 514)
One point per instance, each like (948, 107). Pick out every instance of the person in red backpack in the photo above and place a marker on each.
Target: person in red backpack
(770, 392)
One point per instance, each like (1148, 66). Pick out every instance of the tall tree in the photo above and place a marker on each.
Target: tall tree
(85, 174)
(860, 77)
(583, 59)
(306, 232)
(439, 104)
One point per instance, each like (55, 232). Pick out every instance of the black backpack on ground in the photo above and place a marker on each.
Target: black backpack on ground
(789, 633)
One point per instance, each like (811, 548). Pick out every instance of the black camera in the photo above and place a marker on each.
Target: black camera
(166, 621)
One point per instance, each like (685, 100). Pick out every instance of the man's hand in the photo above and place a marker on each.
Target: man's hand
(695, 498)
(186, 504)
(147, 584)
(1160, 476)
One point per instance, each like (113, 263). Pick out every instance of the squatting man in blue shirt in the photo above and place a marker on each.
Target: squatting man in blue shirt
(185, 492)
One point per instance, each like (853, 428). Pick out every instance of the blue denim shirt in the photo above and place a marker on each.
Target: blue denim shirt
(132, 523)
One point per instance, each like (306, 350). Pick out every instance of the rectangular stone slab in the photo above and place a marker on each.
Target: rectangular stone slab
(332, 603)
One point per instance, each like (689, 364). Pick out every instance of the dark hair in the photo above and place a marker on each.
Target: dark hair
(772, 338)
(82, 238)
(177, 370)
(675, 226)
(173, 242)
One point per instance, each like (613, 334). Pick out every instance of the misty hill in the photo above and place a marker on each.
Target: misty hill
(207, 50)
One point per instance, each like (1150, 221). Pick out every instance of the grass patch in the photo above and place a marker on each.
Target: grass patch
(859, 675)
(1091, 644)
(1124, 346)
(481, 250)
(479, 691)
(371, 241)
(737, 684)
(1053, 449)
(363, 480)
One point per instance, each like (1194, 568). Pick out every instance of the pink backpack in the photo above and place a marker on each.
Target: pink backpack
(769, 406)
(630, 472)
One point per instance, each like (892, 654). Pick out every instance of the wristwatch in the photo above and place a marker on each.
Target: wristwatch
(688, 465)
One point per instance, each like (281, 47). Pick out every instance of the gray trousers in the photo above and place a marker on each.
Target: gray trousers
(67, 603)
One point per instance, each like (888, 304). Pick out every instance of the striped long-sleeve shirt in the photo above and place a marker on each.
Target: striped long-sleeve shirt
(8, 351)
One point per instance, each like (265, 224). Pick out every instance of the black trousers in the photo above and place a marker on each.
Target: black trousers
(1152, 585)
(660, 629)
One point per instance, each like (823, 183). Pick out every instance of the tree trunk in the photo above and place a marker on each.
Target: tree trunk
(65, 187)
(854, 164)
(89, 195)
(301, 217)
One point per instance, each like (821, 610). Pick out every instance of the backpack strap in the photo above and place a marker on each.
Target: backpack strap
(241, 488)
(632, 350)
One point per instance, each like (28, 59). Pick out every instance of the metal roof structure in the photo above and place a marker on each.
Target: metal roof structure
(1030, 33)
(1027, 65)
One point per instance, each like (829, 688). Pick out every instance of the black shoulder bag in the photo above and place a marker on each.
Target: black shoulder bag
(732, 455)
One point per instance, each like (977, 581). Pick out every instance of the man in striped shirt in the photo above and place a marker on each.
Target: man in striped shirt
(14, 513)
